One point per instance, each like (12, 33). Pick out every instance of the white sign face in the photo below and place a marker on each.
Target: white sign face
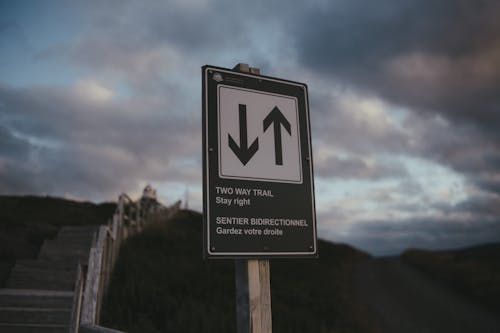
(258, 136)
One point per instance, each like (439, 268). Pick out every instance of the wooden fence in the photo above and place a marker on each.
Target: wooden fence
(90, 287)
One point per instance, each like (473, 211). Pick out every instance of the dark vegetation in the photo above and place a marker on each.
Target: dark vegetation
(475, 271)
(25, 221)
(162, 284)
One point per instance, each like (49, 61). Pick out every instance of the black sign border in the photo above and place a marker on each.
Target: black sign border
(313, 253)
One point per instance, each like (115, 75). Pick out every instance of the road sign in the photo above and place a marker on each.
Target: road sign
(257, 162)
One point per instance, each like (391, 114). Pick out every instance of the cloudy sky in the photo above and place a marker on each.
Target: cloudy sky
(103, 97)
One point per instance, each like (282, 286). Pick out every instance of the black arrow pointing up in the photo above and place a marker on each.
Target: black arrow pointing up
(277, 118)
(243, 152)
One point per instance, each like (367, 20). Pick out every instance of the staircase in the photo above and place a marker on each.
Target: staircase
(39, 294)
(62, 290)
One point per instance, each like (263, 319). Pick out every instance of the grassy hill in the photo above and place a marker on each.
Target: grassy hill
(474, 271)
(25, 221)
(18, 210)
(162, 284)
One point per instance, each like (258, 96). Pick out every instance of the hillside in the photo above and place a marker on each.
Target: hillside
(162, 284)
(474, 271)
(25, 221)
(54, 211)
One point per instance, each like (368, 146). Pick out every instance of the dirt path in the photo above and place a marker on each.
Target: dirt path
(404, 300)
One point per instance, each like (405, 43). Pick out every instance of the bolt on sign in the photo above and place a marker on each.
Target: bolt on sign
(258, 183)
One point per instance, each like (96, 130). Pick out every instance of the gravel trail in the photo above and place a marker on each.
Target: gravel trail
(404, 300)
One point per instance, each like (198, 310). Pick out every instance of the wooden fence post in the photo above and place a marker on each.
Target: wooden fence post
(259, 294)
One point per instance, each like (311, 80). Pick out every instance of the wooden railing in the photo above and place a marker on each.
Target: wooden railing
(129, 219)
(97, 329)
(77, 300)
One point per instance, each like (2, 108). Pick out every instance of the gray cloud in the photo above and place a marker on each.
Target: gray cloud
(16, 154)
(205, 29)
(343, 123)
(441, 57)
(95, 148)
(10, 145)
(435, 59)
(357, 168)
(389, 238)
(463, 147)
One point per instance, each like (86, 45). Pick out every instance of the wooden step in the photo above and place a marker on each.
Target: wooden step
(55, 247)
(71, 241)
(40, 284)
(61, 247)
(44, 264)
(35, 298)
(80, 237)
(66, 261)
(55, 280)
(33, 328)
(64, 256)
(42, 315)
(83, 231)
(44, 269)
(46, 275)
(79, 227)
(51, 283)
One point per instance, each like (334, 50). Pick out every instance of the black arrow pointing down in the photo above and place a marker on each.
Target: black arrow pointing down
(243, 152)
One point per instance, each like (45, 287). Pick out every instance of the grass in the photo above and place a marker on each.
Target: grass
(475, 272)
(162, 284)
